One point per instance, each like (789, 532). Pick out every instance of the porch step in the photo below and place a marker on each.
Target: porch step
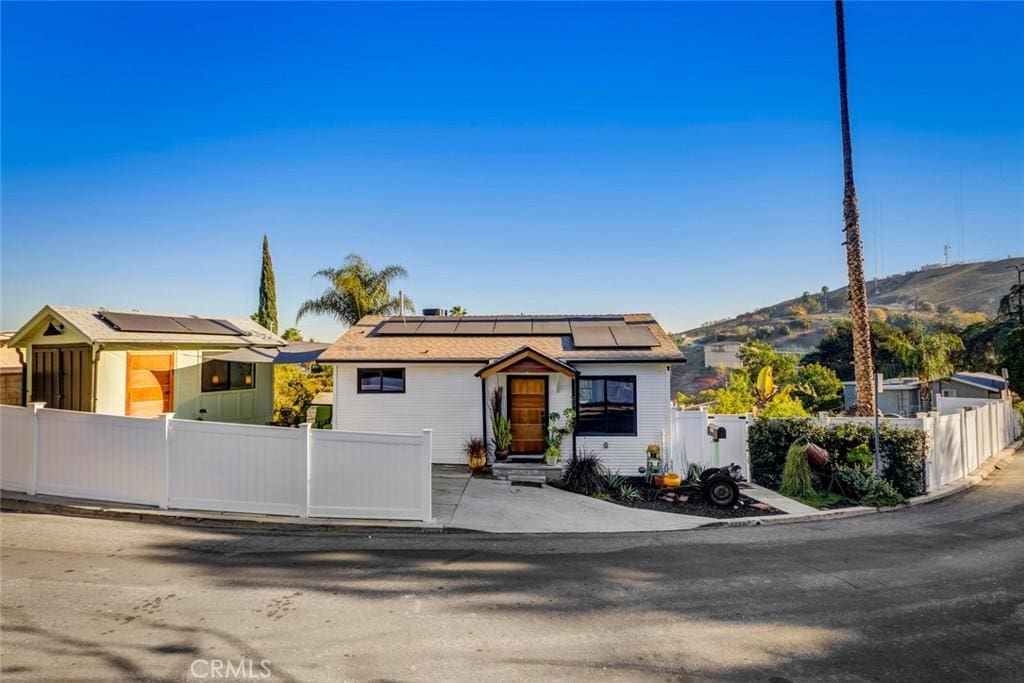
(531, 472)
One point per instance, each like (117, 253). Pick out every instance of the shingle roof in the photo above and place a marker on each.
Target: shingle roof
(88, 322)
(362, 343)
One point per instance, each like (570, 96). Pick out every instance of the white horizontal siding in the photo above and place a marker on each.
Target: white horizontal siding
(653, 415)
(444, 397)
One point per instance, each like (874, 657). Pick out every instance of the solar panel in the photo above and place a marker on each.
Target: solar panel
(638, 336)
(208, 326)
(437, 327)
(475, 327)
(398, 327)
(591, 335)
(513, 327)
(140, 322)
(551, 326)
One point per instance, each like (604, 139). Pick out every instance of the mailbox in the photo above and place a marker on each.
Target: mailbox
(715, 432)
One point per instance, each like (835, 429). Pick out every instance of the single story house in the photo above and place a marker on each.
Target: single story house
(725, 354)
(140, 364)
(902, 395)
(404, 374)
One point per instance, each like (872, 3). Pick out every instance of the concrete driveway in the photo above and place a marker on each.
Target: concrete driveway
(929, 593)
(495, 506)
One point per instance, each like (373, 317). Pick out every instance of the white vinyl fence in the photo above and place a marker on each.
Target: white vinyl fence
(691, 444)
(962, 434)
(196, 465)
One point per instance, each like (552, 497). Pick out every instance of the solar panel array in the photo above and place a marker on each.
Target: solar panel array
(140, 322)
(586, 332)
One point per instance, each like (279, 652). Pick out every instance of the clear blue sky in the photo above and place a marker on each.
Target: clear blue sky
(677, 158)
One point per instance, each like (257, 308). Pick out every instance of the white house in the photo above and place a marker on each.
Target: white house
(395, 374)
(138, 364)
(722, 354)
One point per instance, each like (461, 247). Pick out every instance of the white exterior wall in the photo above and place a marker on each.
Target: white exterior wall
(444, 397)
(653, 415)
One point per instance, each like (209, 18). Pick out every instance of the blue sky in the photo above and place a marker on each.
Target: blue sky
(677, 158)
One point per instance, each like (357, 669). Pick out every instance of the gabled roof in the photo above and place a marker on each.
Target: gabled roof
(90, 323)
(365, 341)
(981, 380)
(521, 354)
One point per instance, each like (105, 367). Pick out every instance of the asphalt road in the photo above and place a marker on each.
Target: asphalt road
(926, 594)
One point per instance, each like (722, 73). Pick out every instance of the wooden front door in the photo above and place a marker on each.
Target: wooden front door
(150, 389)
(62, 377)
(527, 411)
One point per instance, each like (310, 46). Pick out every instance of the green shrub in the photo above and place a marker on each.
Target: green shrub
(868, 488)
(796, 475)
(902, 449)
(860, 457)
(628, 492)
(585, 474)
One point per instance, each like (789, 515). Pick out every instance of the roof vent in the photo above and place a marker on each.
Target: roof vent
(435, 312)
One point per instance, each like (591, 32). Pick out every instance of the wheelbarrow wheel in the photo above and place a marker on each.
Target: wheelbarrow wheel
(721, 491)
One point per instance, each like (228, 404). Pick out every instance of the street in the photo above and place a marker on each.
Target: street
(930, 593)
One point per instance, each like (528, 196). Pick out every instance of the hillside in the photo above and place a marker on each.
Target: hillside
(964, 290)
(967, 287)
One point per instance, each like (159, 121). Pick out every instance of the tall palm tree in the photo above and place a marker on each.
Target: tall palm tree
(863, 368)
(357, 290)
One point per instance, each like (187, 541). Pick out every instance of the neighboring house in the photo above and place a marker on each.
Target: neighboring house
(11, 372)
(971, 385)
(130, 363)
(722, 354)
(403, 375)
(902, 395)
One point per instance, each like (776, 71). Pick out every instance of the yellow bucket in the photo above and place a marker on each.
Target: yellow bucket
(672, 479)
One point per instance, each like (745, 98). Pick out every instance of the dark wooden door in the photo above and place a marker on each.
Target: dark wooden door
(62, 377)
(150, 388)
(527, 411)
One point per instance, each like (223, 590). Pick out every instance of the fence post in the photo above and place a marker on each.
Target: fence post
(36, 407)
(427, 513)
(306, 434)
(165, 420)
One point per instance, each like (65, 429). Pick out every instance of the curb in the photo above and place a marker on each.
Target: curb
(20, 502)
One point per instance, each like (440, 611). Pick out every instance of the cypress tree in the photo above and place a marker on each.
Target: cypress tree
(266, 313)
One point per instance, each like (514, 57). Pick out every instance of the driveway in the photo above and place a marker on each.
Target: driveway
(929, 593)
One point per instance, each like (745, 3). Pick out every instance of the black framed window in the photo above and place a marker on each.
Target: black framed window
(222, 375)
(380, 380)
(607, 406)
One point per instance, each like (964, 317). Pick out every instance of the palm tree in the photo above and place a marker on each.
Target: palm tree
(863, 368)
(357, 290)
(458, 311)
(928, 359)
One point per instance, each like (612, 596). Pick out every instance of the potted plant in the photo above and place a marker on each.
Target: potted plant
(557, 433)
(501, 428)
(476, 453)
(654, 458)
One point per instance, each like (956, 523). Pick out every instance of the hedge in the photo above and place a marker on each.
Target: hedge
(903, 449)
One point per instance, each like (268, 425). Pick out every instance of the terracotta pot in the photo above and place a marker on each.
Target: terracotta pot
(477, 461)
(816, 455)
(659, 480)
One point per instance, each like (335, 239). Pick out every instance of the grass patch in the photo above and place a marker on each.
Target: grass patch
(822, 500)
